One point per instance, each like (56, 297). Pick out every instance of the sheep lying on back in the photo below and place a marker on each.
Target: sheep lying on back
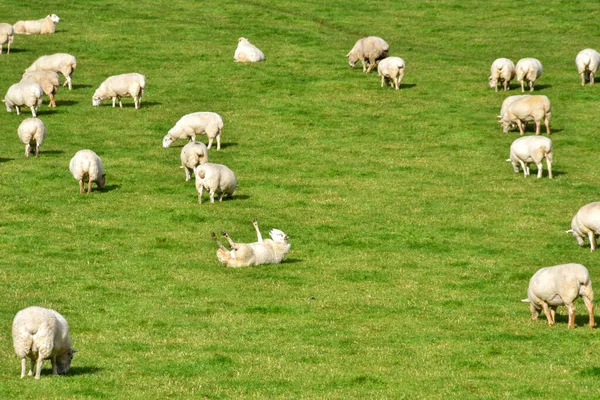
(24, 94)
(87, 166)
(32, 132)
(502, 71)
(247, 52)
(371, 48)
(215, 178)
(192, 155)
(59, 62)
(38, 26)
(528, 70)
(586, 223)
(47, 79)
(587, 62)
(551, 287)
(268, 251)
(117, 86)
(392, 68)
(528, 149)
(41, 334)
(6, 36)
(196, 123)
(531, 108)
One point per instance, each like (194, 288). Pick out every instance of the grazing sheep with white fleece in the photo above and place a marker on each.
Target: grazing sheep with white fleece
(24, 94)
(194, 124)
(559, 285)
(192, 155)
(59, 62)
(528, 70)
(47, 79)
(528, 149)
(587, 62)
(39, 26)
(117, 86)
(531, 108)
(247, 52)
(40, 334)
(7, 35)
(32, 132)
(215, 178)
(87, 166)
(268, 251)
(586, 223)
(392, 68)
(502, 71)
(371, 48)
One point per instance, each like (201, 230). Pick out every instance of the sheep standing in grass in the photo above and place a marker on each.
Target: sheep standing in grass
(371, 49)
(87, 166)
(32, 132)
(41, 334)
(268, 251)
(47, 79)
(587, 62)
(7, 35)
(528, 70)
(528, 149)
(586, 223)
(194, 124)
(215, 178)
(531, 108)
(502, 71)
(59, 62)
(247, 52)
(192, 155)
(391, 68)
(508, 101)
(560, 285)
(24, 94)
(39, 26)
(124, 85)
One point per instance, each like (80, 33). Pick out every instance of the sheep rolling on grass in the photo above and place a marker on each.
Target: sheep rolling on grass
(59, 62)
(530, 108)
(586, 223)
(502, 71)
(32, 132)
(392, 68)
(86, 166)
(192, 155)
(39, 26)
(24, 94)
(268, 251)
(7, 35)
(587, 62)
(551, 287)
(215, 178)
(247, 52)
(193, 124)
(118, 86)
(40, 334)
(48, 80)
(528, 149)
(371, 49)
(528, 70)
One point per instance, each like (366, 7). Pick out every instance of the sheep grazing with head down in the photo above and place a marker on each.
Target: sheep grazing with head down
(59, 62)
(7, 35)
(118, 86)
(24, 94)
(528, 108)
(192, 155)
(528, 149)
(86, 166)
(193, 124)
(527, 71)
(47, 79)
(32, 132)
(391, 68)
(215, 178)
(39, 26)
(586, 223)
(247, 52)
(587, 62)
(268, 251)
(371, 49)
(502, 71)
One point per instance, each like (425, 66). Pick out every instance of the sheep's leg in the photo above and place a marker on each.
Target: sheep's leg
(218, 142)
(372, 64)
(23, 366)
(539, 167)
(38, 368)
(521, 127)
(382, 80)
(506, 85)
(27, 150)
(364, 64)
(200, 195)
(583, 79)
(553, 313)
(114, 99)
(89, 185)
(524, 168)
(523, 86)
(592, 238)
(135, 102)
(591, 78)
(70, 82)
(212, 196)
(230, 241)
(590, 307)
(37, 150)
(210, 140)
(547, 123)
(32, 362)
(81, 186)
(221, 196)
(549, 165)
(214, 236)
(54, 368)
(571, 308)
(258, 235)
(52, 101)
(538, 125)
(548, 314)
(120, 102)
(531, 86)
(188, 174)
(33, 111)
(18, 110)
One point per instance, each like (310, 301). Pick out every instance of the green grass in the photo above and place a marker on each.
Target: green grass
(412, 239)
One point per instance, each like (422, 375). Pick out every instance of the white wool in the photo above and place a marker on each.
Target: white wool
(24, 94)
(59, 62)
(47, 79)
(392, 68)
(587, 62)
(528, 108)
(502, 71)
(192, 155)
(527, 71)
(39, 26)
(586, 223)
(531, 149)
(247, 52)
(371, 49)
(193, 124)
(86, 166)
(32, 133)
(118, 86)
(216, 179)
(7, 35)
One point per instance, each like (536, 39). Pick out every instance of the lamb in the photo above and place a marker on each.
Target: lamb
(559, 285)
(86, 165)
(59, 62)
(532, 108)
(392, 68)
(215, 178)
(529, 149)
(268, 251)
(32, 132)
(24, 94)
(45, 25)
(117, 86)
(40, 334)
(192, 155)
(587, 62)
(47, 79)
(502, 71)
(192, 124)
(247, 52)
(7, 35)
(528, 69)
(371, 48)
(586, 223)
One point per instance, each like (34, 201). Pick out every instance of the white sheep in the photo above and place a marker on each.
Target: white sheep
(24, 94)
(530, 108)
(40, 334)
(192, 155)
(587, 62)
(268, 251)
(528, 70)
(560, 285)
(117, 86)
(87, 166)
(32, 132)
(59, 62)
(193, 124)
(7, 35)
(586, 223)
(528, 149)
(214, 178)
(47, 79)
(392, 68)
(371, 48)
(502, 71)
(247, 52)
(38, 26)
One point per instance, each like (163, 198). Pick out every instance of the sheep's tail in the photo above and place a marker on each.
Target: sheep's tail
(569, 231)
(508, 159)
(525, 300)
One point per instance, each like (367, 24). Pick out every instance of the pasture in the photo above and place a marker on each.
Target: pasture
(412, 239)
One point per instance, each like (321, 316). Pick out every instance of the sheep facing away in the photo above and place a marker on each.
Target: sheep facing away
(118, 86)
(24, 94)
(87, 166)
(587, 62)
(192, 155)
(371, 49)
(392, 68)
(39, 26)
(247, 52)
(7, 35)
(40, 334)
(586, 223)
(193, 124)
(268, 251)
(528, 149)
(528, 70)
(559, 285)
(502, 71)
(32, 132)
(48, 80)
(530, 108)
(215, 178)
(59, 62)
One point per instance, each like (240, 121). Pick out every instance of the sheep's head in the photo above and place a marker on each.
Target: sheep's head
(535, 310)
(352, 59)
(493, 81)
(101, 181)
(167, 140)
(8, 108)
(506, 124)
(63, 361)
(54, 18)
(279, 236)
(243, 40)
(97, 98)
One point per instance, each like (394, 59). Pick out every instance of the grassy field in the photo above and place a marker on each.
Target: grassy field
(412, 239)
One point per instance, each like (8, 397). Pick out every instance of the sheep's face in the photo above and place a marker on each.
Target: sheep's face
(493, 82)
(352, 59)
(97, 99)
(8, 108)
(515, 167)
(279, 236)
(167, 140)
(506, 125)
(101, 181)
(54, 18)
(63, 362)
(243, 40)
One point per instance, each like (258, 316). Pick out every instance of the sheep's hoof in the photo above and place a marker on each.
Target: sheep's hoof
(213, 235)
(224, 233)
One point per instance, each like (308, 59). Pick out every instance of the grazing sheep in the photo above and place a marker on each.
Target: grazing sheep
(41, 334)
(392, 68)
(59, 62)
(47, 79)
(587, 62)
(531, 108)
(215, 178)
(196, 123)
(247, 52)
(528, 69)
(502, 71)
(24, 94)
(268, 251)
(586, 223)
(86, 165)
(32, 132)
(192, 155)
(528, 149)
(551, 287)
(38, 26)
(117, 86)
(7, 35)
(371, 48)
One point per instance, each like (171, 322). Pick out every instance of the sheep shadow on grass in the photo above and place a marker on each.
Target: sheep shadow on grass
(109, 188)
(562, 319)
(3, 160)
(80, 86)
(61, 103)
(87, 370)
